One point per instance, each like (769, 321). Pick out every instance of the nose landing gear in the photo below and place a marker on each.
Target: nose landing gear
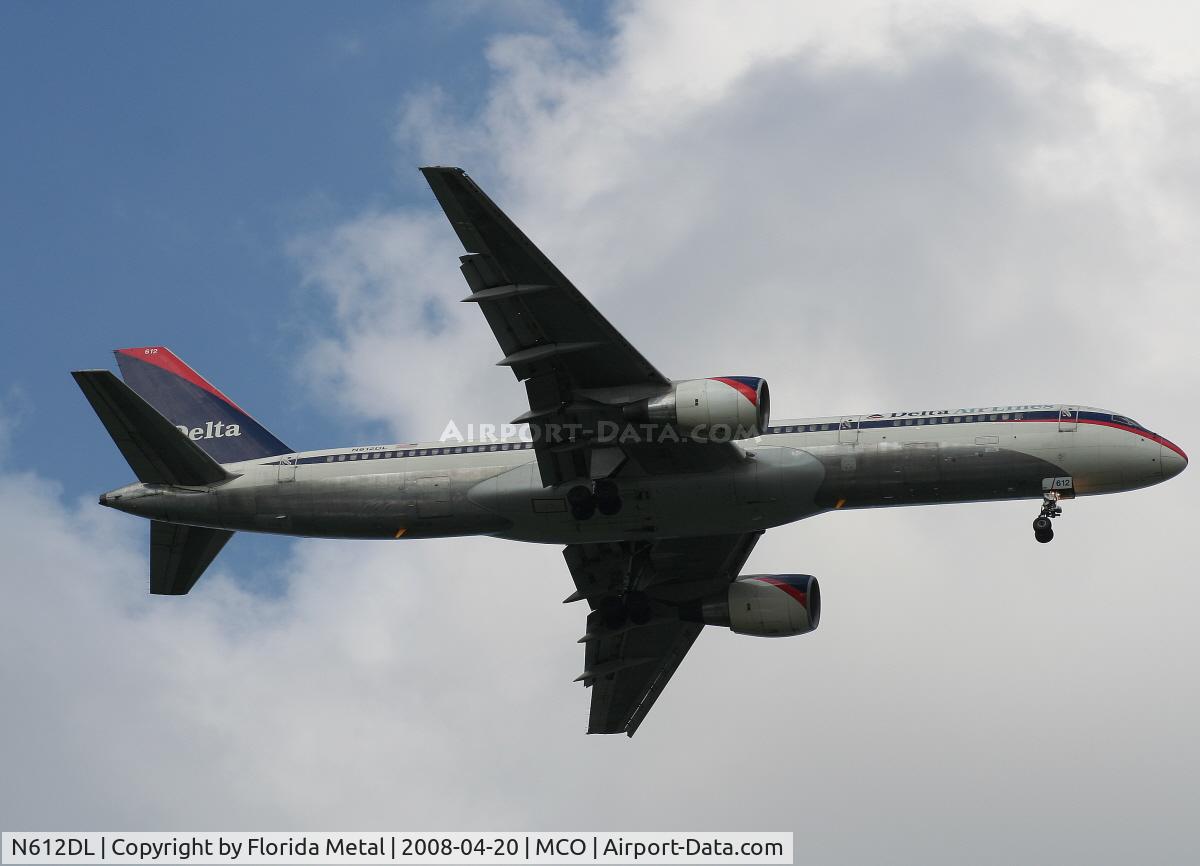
(1043, 531)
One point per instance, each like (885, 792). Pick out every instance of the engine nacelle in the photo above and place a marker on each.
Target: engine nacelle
(765, 605)
(710, 410)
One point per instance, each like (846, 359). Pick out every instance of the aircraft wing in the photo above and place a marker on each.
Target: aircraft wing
(553, 339)
(628, 667)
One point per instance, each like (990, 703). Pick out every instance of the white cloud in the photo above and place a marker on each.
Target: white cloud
(989, 174)
(874, 210)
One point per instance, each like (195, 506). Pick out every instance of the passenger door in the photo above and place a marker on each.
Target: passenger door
(848, 430)
(1068, 419)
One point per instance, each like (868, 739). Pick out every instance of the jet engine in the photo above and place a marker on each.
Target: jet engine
(764, 605)
(704, 410)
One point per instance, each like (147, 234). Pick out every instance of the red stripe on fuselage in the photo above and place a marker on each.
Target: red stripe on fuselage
(1145, 434)
(165, 359)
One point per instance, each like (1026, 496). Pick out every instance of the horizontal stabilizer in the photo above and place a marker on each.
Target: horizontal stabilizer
(180, 554)
(154, 448)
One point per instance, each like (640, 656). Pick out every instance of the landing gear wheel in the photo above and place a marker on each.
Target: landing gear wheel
(1043, 529)
(581, 501)
(607, 496)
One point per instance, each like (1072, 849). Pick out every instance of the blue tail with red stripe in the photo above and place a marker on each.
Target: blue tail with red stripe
(202, 413)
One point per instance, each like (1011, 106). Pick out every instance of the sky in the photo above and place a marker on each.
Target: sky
(875, 206)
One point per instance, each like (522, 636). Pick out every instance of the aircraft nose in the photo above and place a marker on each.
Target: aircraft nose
(1171, 460)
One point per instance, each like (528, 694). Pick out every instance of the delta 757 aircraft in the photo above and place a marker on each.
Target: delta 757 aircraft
(659, 489)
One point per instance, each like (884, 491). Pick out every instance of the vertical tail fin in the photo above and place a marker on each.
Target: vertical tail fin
(221, 428)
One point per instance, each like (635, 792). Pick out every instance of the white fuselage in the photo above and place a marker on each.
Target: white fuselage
(796, 469)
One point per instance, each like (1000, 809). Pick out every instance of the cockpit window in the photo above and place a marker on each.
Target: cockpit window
(1128, 422)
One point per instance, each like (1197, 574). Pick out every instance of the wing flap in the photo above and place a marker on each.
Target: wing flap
(627, 667)
(642, 661)
(554, 340)
(537, 304)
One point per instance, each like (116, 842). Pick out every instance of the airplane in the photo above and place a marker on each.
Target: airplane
(658, 489)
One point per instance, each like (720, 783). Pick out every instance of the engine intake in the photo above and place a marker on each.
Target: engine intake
(764, 605)
(710, 410)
